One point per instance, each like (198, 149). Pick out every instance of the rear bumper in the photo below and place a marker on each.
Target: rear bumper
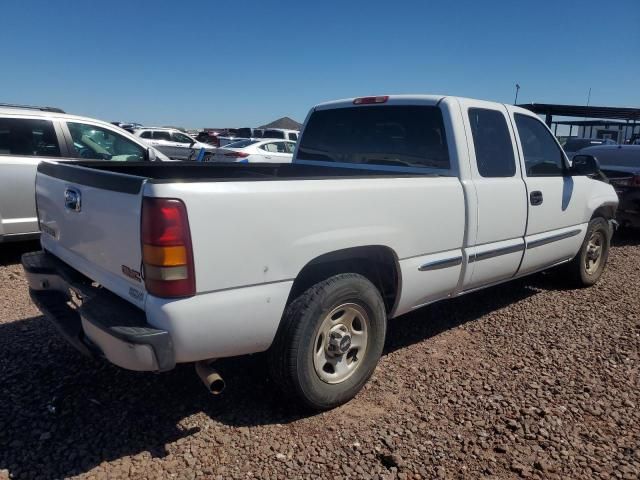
(628, 213)
(92, 319)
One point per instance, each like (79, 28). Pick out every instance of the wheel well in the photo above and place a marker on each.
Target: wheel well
(607, 212)
(376, 263)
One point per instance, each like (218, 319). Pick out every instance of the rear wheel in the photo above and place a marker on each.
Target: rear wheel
(329, 341)
(588, 265)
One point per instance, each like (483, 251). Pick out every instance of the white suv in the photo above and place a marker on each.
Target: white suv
(172, 142)
(31, 134)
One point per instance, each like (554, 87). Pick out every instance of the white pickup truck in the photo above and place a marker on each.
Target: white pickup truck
(391, 203)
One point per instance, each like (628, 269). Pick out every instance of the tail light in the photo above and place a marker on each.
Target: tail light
(167, 255)
(633, 181)
(236, 154)
(370, 100)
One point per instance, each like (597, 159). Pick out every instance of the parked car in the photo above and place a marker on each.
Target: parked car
(31, 134)
(391, 203)
(172, 142)
(573, 145)
(255, 151)
(281, 133)
(621, 165)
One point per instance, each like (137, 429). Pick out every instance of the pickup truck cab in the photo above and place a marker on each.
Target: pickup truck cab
(391, 203)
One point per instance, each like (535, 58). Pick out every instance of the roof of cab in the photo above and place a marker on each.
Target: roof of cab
(392, 99)
(411, 99)
(46, 113)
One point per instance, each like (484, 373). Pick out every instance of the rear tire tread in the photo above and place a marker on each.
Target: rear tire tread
(287, 343)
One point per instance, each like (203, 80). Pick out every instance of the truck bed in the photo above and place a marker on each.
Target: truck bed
(161, 172)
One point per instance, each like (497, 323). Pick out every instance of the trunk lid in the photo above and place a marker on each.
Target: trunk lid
(90, 219)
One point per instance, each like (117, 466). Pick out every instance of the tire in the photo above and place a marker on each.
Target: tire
(311, 359)
(579, 274)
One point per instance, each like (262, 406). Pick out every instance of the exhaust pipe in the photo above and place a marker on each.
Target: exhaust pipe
(210, 377)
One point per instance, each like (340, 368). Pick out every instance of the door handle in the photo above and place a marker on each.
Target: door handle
(536, 197)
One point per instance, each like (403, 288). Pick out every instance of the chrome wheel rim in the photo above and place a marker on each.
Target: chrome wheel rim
(341, 343)
(593, 255)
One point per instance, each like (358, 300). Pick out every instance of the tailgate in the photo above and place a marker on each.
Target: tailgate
(90, 219)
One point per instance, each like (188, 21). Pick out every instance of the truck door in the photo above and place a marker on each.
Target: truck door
(557, 202)
(162, 141)
(182, 145)
(496, 246)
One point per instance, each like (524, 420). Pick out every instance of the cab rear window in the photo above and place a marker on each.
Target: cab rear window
(393, 135)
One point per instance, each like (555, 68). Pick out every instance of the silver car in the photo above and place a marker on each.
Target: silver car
(29, 135)
(172, 142)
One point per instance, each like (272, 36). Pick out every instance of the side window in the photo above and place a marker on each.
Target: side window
(281, 147)
(290, 147)
(180, 138)
(270, 147)
(293, 136)
(98, 143)
(146, 134)
(542, 156)
(162, 135)
(23, 136)
(492, 143)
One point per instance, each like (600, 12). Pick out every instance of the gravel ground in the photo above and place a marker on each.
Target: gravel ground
(526, 379)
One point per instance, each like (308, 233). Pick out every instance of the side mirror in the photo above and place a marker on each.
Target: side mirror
(151, 155)
(585, 165)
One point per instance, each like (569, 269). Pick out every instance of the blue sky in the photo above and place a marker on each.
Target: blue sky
(199, 63)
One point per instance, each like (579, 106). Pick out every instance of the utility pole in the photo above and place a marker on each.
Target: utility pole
(589, 97)
(515, 102)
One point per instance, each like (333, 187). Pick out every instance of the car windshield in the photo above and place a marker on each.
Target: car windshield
(575, 144)
(241, 143)
(391, 136)
(93, 142)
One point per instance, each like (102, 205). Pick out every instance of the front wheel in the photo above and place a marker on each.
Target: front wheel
(588, 265)
(329, 341)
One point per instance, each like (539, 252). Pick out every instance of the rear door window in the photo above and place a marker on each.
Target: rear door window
(270, 147)
(281, 147)
(393, 135)
(162, 135)
(293, 136)
(28, 137)
(492, 143)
